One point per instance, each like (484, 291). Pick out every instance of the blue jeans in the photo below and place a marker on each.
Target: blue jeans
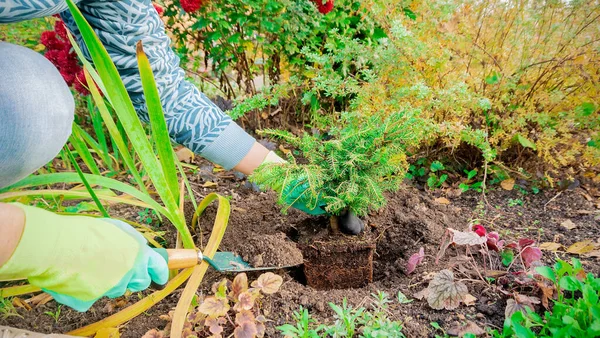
(36, 112)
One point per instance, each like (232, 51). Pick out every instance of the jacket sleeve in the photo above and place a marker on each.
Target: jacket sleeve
(193, 120)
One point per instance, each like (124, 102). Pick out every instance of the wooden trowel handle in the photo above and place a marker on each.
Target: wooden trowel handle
(182, 258)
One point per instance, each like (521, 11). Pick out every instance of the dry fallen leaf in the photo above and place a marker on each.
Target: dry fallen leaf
(460, 329)
(551, 246)
(469, 300)
(592, 254)
(568, 224)
(467, 238)
(184, 155)
(421, 294)
(547, 293)
(40, 299)
(442, 200)
(284, 149)
(581, 248)
(18, 302)
(508, 184)
(445, 292)
(513, 306)
(209, 184)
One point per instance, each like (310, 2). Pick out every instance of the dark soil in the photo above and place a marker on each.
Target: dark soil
(412, 219)
(270, 250)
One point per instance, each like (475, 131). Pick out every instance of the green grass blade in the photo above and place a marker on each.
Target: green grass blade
(160, 134)
(114, 132)
(87, 185)
(119, 98)
(51, 179)
(99, 131)
(85, 62)
(188, 187)
(82, 150)
(94, 147)
(117, 93)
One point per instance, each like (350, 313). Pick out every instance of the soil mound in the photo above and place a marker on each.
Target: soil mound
(270, 250)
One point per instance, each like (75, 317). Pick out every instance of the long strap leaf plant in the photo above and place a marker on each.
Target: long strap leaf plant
(161, 171)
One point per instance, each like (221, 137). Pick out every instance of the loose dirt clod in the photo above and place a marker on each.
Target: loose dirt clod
(270, 250)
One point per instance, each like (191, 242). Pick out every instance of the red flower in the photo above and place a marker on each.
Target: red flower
(190, 6)
(80, 83)
(49, 40)
(61, 30)
(158, 8)
(324, 7)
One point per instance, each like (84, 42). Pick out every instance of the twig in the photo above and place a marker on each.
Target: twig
(552, 199)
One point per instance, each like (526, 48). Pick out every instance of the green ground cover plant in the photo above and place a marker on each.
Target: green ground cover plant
(349, 322)
(575, 312)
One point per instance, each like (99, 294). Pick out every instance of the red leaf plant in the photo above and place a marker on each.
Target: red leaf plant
(60, 52)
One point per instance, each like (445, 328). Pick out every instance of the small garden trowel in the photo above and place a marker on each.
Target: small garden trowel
(222, 261)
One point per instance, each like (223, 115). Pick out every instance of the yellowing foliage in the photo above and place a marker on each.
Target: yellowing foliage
(522, 77)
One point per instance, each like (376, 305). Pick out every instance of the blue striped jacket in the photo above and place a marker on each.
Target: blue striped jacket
(193, 120)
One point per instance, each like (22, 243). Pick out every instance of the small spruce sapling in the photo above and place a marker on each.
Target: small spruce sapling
(350, 167)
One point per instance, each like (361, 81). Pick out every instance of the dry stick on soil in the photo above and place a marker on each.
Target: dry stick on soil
(552, 199)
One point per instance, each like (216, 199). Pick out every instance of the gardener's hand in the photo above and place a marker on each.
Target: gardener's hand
(79, 259)
(296, 193)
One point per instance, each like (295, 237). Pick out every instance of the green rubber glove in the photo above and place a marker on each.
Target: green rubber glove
(79, 259)
(294, 193)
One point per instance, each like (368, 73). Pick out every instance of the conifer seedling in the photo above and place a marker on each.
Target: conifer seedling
(350, 167)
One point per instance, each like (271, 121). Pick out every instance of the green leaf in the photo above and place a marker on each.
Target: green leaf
(463, 187)
(56, 178)
(585, 109)
(472, 174)
(160, 133)
(87, 185)
(409, 13)
(443, 179)
(492, 79)
(507, 257)
(547, 272)
(402, 299)
(525, 142)
(119, 98)
(436, 166)
(590, 295)
(431, 181)
(114, 132)
(569, 283)
(520, 330)
(82, 150)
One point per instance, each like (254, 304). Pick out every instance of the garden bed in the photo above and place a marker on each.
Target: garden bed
(411, 220)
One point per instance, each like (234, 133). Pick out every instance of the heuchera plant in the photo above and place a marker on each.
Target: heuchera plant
(234, 305)
(350, 167)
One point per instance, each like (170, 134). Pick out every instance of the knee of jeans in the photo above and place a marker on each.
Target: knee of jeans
(36, 111)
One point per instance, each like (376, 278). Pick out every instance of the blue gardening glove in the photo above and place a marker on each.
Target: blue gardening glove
(79, 259)
(295, 193)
